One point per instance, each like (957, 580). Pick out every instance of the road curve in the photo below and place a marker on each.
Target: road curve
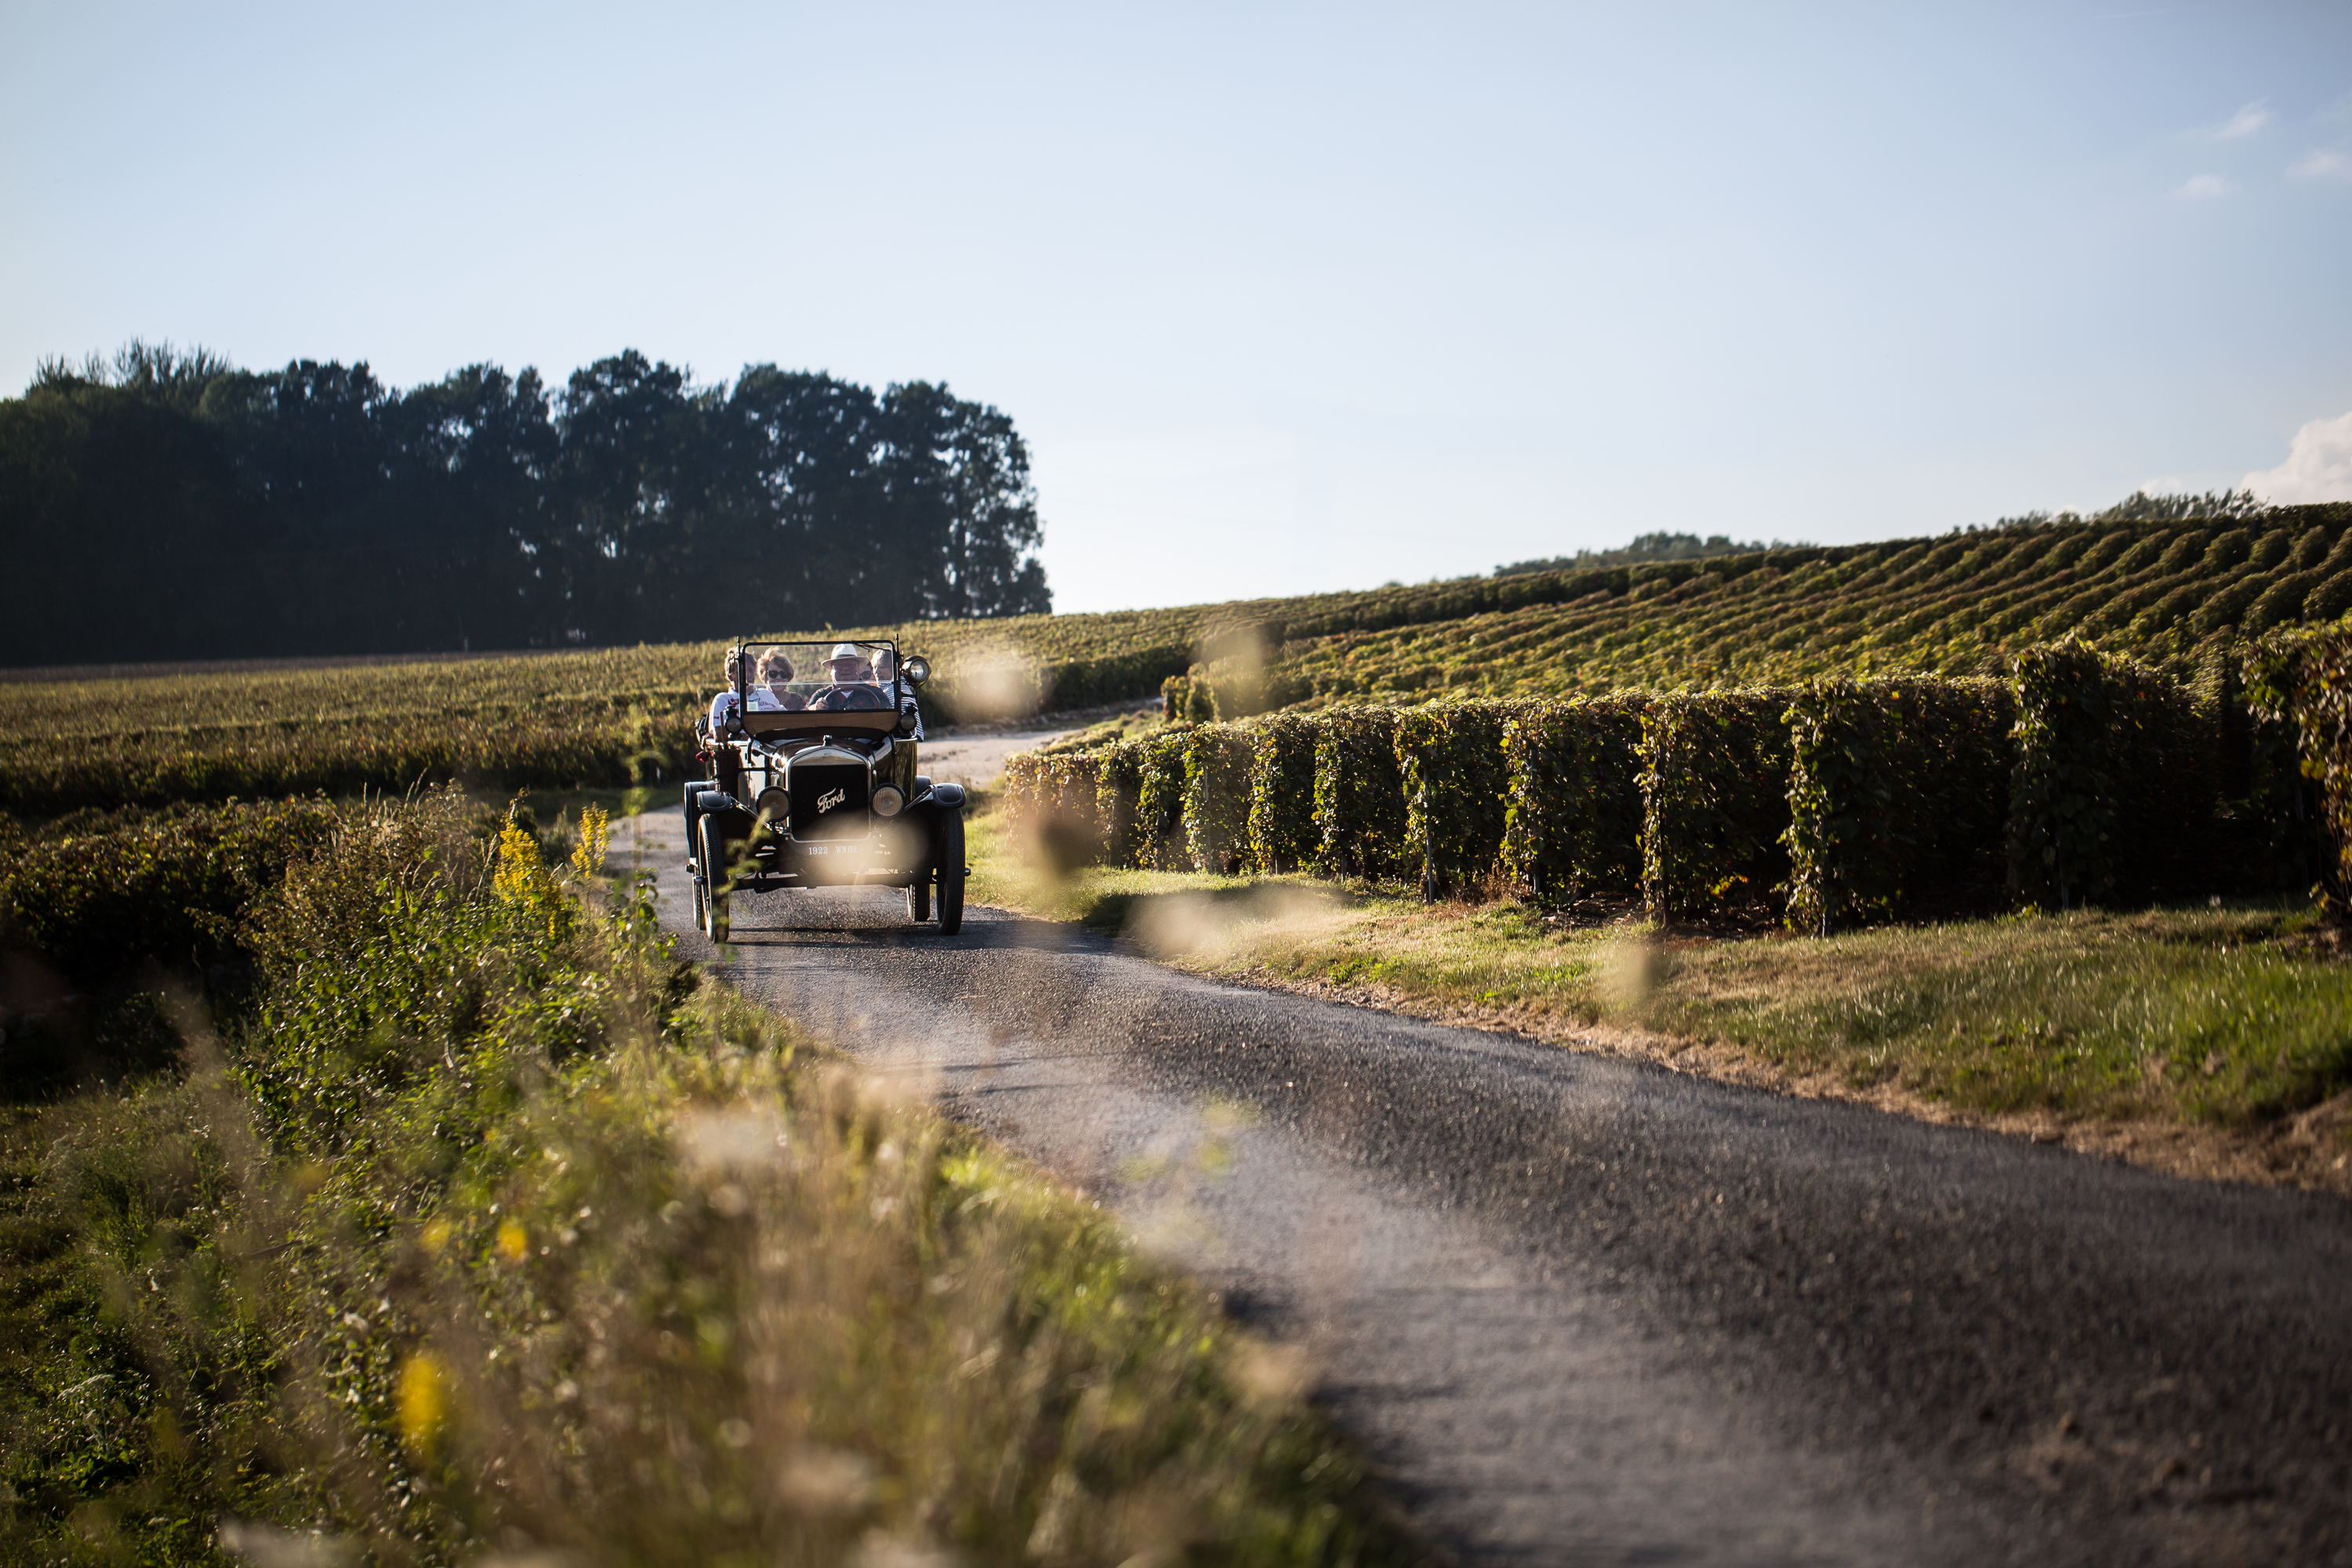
(1584, 1310)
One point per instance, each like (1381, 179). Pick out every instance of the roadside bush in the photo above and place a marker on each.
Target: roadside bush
(1066, 816)
(1451, 767)
(1358, 795)
(1282, 792)
(1243, 686)
(1216, 797)
(1897, 788)
(2305, 681)
(1119, 786)
(1110, 676)
(1715, 800)
(1572, 822)
(2111, 789)
(1160, 800)
(96, 893)
(1023, 789)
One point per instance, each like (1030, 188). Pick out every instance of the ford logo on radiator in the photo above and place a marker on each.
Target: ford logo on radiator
(830, 799)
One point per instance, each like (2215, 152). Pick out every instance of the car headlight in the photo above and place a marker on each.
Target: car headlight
(887, 800)
(774, 804)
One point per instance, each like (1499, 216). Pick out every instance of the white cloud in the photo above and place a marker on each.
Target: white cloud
(2203, 188)
(2318, 465)
(2245, 122)
(2325, 163)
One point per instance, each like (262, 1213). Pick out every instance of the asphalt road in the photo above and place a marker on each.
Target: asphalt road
(1586, 1310)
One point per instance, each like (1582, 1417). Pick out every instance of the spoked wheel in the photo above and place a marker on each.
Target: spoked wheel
(919, 897)
(950, 858)
(711, 905)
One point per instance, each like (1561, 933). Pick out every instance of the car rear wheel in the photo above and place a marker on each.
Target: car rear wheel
(712, 851)
(950, 858)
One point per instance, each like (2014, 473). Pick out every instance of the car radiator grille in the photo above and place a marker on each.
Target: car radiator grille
(828, 800)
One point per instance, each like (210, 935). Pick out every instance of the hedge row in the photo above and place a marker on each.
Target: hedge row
(96, 894)
(2083, 778)
(1573, 823)
(2110, 779)
(1896, 789)
(2303, 681)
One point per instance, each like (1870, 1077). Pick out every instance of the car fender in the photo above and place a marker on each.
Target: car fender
(945, 797)
(738, 819)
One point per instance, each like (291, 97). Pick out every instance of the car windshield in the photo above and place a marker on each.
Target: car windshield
(820, 678)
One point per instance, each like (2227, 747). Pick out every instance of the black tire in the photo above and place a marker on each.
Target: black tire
(950, 858)
(918, 896)
(712, 849)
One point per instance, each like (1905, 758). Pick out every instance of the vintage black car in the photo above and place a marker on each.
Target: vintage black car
(815, 784)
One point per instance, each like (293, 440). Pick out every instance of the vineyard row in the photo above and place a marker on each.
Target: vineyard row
(2080, 777)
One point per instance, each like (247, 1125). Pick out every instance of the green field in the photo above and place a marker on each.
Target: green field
(2172, 593)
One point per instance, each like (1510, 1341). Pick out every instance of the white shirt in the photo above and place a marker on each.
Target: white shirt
(722, 711)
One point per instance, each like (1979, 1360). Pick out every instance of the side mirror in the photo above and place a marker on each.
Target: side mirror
(917, 670)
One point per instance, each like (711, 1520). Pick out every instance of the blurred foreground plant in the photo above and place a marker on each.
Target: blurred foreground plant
(494, 1233)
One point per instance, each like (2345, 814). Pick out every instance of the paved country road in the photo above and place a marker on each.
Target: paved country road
(1587, 1311)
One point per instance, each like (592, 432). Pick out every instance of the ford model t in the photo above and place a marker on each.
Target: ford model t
(813, 754)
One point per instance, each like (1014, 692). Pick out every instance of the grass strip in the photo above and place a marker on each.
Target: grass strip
(2230, 1020)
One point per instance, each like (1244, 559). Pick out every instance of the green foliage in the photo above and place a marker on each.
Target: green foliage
(312, 510)
(489, 1232)
(1282, 792)
(96, 893)
(1358, 795)
(1896, 788)
(2112, 781)
(1452, 770)
(2305, 681)
(1160, 841)
(1118, 802)
(1715, 800)
(1217, 796)
(1055, 797)
(2154, 589)
(1572, 824)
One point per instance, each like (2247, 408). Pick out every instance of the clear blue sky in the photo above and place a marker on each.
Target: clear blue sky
(1285, 297)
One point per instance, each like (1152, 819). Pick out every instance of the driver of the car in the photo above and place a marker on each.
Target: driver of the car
(849, 665)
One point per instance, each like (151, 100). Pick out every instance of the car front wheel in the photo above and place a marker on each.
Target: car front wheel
(712, 851)
(950, 859)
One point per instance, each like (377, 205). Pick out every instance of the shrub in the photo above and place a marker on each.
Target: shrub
(1282, 792)
(1358, 795)
(96, 893)
(1450, 764)
(1714, 799)
(1119, 786)
(1160, 800)
(2290, 846)
(1217, 798)
(2110, 784)
(1572, 822)
(1174, 693)
(2309, 685)
(1895, 786)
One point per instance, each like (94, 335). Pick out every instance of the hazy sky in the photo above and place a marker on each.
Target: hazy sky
(1283, 297)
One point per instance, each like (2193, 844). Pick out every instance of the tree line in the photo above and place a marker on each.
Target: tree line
(167, 505)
